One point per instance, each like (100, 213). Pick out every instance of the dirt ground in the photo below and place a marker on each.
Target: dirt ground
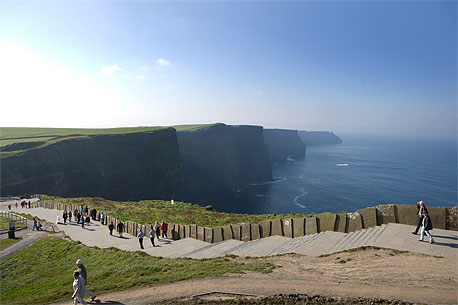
(374, 275)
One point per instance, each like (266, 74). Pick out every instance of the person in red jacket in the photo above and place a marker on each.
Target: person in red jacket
(164, 229)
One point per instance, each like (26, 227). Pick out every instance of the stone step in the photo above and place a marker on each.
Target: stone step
(213, 250)
(321, 244)
(338, 244)
(260, 247)
(359, 241)
(377, 234)
(293, 244)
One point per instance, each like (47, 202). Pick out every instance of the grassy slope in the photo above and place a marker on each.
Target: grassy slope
(10, 135)
(42, 273)
(5, 224)
(149, 211)
(6, 242)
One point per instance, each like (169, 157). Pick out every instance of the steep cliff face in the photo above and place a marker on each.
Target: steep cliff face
(130, 166)
(284, 144)
(315, 138)
(219, 159)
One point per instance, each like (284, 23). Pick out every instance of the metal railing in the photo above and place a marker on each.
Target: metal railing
(16, 218)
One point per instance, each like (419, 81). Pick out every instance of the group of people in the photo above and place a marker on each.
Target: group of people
(23, 204)
(37, 224)
(155, 231)
(424, 221)
(80, 284)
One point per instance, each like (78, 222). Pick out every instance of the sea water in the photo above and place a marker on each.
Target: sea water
(358, 173)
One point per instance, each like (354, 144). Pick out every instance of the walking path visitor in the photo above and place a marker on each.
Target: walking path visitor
(392, 236)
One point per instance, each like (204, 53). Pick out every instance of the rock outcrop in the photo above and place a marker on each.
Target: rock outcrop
(284, 144)
(315, 138)
(129, 166)
(219, 159)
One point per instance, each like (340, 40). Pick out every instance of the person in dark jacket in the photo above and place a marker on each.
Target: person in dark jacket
(111, 227)
(120, 229)
(420, 209)
(82, 271)
(427, 225)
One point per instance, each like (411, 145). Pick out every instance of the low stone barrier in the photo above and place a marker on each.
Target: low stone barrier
(442, 218)
(325, 221)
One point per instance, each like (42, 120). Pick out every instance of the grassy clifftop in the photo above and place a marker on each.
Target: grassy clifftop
(53, 262)
(149, 211)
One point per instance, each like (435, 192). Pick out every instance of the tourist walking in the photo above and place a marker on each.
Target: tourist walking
(82, 222)
(420, 209)
(140, 239)
(79, 287)
(39, 225)
(35, 227)
(111, 227)
(164, 229)
(69, 216)
(9, 206)
(426, 226)
(157, 226)
(83, 273)
(120, 229)
(152, 233)
(16, 205)
(102, 218)
(81, 209)
(64, 216)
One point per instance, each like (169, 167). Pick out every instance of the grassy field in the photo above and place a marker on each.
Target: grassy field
(191, 127)
(5, 224)
(42, 273)
(42, 137)
(33, 138)
(149, 211)
(5, 243)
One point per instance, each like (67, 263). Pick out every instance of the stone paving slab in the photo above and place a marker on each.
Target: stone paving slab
(392, 236)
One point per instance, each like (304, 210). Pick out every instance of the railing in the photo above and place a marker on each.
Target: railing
(16, 218)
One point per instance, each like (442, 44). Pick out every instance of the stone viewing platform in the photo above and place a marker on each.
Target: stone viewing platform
(318, 235)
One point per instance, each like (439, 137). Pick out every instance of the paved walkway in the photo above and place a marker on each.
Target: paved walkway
(393, 236)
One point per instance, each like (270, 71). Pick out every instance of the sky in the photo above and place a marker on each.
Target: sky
(369, 67)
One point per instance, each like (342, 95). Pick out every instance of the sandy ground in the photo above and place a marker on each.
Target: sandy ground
(371, 274)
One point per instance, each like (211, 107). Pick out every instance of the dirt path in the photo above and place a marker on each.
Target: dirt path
(371, 273)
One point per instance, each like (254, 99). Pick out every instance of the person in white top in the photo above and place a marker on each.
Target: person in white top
(79, 287)
(140, 239)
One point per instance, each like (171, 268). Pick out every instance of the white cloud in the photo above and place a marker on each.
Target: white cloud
(145, 68)
(163, 62)
(107, 70)
(140, 76)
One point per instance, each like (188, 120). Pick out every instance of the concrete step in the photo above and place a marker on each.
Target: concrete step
(293, 244)
(321, 244)
(260, 247)
(360, 240)
(213, 250)
(339, 243)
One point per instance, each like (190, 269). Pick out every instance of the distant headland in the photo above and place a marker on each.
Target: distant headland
(186, 162)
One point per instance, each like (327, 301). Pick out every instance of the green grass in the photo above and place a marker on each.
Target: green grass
(149, 211)
(5, 243)
(42, 273)
(5, 224)
(23, 132)
(48, 136)
(28, 216)
(192, 127)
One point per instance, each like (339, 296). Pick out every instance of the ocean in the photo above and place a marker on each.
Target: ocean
(359, 173)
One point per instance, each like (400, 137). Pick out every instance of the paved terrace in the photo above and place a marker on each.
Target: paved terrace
(392, 236)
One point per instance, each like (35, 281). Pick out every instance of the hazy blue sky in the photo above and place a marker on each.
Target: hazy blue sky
(363, 66)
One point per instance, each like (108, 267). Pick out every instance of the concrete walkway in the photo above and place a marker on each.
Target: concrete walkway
(392, 236)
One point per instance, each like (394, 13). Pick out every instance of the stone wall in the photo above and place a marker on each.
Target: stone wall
(442, 218)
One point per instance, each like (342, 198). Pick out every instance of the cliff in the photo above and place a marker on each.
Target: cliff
(219, 159)
(315, 138)
(126, 166)
(284, 144)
